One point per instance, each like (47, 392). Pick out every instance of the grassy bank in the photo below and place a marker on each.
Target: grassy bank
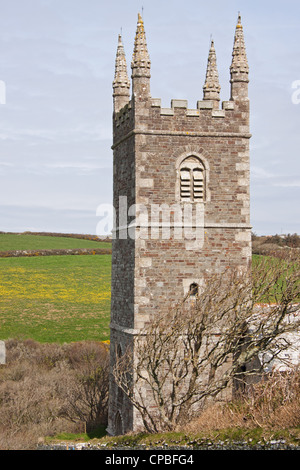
(227, 438)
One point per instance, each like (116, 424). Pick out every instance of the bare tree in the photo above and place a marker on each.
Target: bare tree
(210, 342)
(86, 391)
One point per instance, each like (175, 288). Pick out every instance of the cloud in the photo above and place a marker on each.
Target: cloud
(260, 173)
(288, 184)
(85, 167)
(57, 61)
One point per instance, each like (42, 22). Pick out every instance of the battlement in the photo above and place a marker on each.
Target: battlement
(201, 105)
(230, 118)
(124, 113)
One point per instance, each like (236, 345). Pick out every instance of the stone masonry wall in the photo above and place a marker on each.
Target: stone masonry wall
(164, 269)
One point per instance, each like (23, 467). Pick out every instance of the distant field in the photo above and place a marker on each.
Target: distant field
(55, 298)
(11, 242)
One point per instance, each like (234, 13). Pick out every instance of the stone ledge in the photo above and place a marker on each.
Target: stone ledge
(123, 329)
(167, 112)
(193, 112)
(226, 135)
(179, 104)
(201, 105)
(205, 104)
(219, 113)
(156, 103)
(227, 105)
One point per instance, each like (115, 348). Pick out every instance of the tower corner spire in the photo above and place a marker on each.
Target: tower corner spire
(121, 82)
(141, 63)
(211, 88)
(239, 69)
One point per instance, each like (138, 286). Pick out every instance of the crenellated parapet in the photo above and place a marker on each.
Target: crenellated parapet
(201, 105)
(179, 119)
(206, 117)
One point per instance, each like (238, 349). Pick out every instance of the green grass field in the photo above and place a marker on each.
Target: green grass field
(11, 242)
(55, 298)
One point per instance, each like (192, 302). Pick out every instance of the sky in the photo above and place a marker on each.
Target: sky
(57, 62)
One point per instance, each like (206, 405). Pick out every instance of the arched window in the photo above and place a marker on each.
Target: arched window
(192, 180)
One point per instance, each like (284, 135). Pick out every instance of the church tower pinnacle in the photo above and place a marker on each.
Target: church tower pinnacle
(140, 64)
(211, 88)
(121, 83)
(239, 69)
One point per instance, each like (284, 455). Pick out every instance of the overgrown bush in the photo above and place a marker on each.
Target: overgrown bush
(274, 244)
(273, 403)
(219, 339)
(51, 388)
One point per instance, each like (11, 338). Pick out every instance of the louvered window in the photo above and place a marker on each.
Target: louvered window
(192, 180)
(198, 184)
(185, 183)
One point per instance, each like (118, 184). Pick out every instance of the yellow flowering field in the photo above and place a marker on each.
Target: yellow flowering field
(55, 298)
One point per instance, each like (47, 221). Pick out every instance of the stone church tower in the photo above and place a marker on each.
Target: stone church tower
(181, 195)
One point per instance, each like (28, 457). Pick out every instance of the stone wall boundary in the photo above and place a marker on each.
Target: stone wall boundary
(60, 252)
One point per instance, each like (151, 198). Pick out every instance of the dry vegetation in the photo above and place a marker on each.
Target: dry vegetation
(48, 388)
(270, 245)
(182, 358)
(272, 404)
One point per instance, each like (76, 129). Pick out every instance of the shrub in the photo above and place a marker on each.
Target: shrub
(271, 404)
(49, 388)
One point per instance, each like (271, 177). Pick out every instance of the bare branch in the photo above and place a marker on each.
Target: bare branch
(211, 342)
